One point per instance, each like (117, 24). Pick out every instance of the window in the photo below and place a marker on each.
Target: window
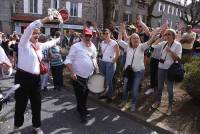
(116, 14)
(74, 9)
(160, 7)
(141, 5)
(55, 4)
(127, 17)
(128, 2)
(33, 6)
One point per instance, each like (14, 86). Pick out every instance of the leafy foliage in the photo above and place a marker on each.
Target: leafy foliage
(192, 78)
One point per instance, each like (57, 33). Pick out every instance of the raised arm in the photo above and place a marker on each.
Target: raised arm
(144, 26)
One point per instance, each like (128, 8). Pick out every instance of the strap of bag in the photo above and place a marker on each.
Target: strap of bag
(105, 49)
(133, 56)
(36, 53)
(164, 48)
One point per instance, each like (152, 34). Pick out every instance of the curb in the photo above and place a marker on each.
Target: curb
(133, 116)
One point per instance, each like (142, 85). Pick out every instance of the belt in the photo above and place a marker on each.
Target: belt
(21, 70)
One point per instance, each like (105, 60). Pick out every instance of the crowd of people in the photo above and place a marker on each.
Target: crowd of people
(93, 50)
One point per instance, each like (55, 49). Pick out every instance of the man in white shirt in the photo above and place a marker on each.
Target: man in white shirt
(81, 63)
(28, 75)
(187, 40)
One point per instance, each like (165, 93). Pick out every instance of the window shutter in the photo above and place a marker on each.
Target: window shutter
(159, 7)
(51, 3)
(26, 4)
(68, 6)
(58, 4)
(40, 5)
(80, 10)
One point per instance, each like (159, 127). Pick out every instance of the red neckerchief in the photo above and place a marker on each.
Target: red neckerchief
(35, 47)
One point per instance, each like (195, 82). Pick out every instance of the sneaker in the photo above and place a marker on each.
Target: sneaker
(169, 112)
(126, 106)
(122, 104)
(133, 108)
(156, 104)
(38, 130)
(16, 131)
(149, 91)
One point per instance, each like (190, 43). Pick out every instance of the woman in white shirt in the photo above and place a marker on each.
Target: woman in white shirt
(110, 52)
(28, 75)
(134, 58)
(171, 50)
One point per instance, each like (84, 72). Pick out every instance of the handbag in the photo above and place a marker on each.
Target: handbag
(43, 67)
(176, 72)
(129, 70)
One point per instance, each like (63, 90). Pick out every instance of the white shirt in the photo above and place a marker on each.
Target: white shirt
(27, 58)
(108, 51)
(191, 35)
(81, 57)
(3, 56)
(138, 61)
(176, 48)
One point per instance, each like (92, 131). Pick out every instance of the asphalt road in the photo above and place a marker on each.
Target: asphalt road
(59, 116)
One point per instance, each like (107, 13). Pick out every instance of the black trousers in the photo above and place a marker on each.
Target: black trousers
(29, 90)
(154, 73)
(57, 73)
(81, 94)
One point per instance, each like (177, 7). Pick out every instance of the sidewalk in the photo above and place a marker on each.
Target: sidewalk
(185, 118)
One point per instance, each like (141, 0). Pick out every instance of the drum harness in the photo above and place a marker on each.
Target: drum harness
(85, 87)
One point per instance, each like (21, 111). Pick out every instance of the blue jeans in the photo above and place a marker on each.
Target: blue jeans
(137, 78)
(162, 76)
(108, 69)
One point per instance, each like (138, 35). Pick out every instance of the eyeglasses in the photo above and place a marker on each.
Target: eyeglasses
(88, 35)
(106, 33)
(36, 33)
(167, 34)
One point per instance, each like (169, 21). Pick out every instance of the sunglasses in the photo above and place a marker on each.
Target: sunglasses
(167, 34)
(106, 33)
(88, 35)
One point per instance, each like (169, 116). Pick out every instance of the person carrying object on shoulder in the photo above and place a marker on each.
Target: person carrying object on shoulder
(28, 74)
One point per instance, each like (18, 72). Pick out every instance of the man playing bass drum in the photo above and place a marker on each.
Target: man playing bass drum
(81, 63)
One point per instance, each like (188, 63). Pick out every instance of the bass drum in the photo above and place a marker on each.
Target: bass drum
(96, 83)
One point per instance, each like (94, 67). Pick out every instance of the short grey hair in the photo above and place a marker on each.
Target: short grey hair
(172, 31)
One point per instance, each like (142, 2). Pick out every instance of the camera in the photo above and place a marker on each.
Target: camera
(162, 61)
(99, 56)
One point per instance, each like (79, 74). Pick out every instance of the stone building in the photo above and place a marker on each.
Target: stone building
(17, 14)
(27, 11)
(170, 11)
(5, 15)
(127, 10)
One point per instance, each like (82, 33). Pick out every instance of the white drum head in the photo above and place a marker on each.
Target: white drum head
(96, 83)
